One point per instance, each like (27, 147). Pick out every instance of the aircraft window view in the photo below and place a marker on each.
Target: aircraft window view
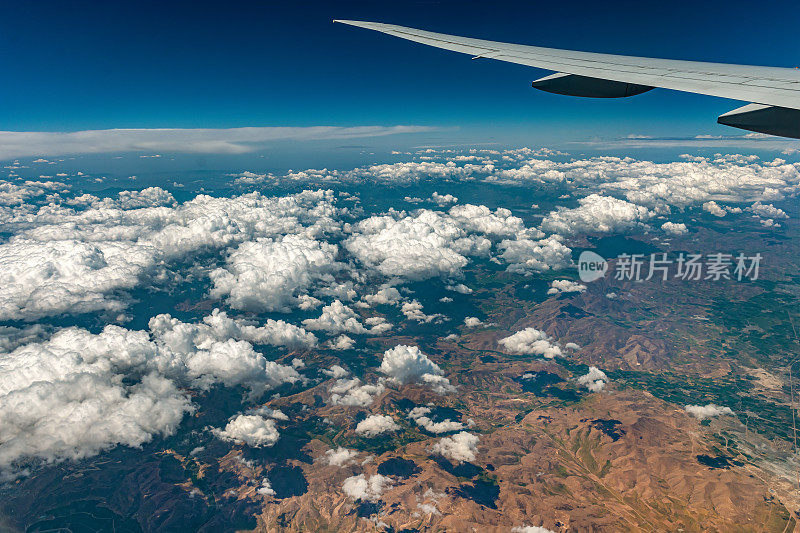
(430, 266)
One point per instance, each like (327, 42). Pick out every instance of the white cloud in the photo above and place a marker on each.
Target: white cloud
(148, 197)
(407, 364)
(714, 208)
(266, 488)
(701, 412)
(353, 392)
(671, 228)
(363, 488)
(427, 243)
(767, 211)
(529, 255)
(459, 288)
(385, 296)
(420, 416)
(413, 311)
(597, 214)
(443, 199)
(336, 372)
(428, 508)
(732, 178)
(67, 260)
(459, 447)
(194, 355)
(342, 342)
(340, 456)
(481, 219)
(211, 141)
(473, 322)
(269, 412)
(375, 425)
(595, 379)
(531, 341)
(267, 275)
(414, 247)
(337, 318)
(12, 337)
(219, 327)
(560, 286)
(413, 171)
(79, 393)
(251, 430)
(16, 193)
(38, 279)
(65, 398)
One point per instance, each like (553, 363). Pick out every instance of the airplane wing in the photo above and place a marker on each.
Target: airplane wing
(774, 92)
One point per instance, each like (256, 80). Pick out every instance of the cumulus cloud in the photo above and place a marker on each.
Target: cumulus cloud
(76, 260)
(17, 193)
(375, 425)
(531, 341)
(595, 379)
(420, 416)
(714, 208)
(342, 342)
(148, 197)
(480, 219)
(199, 356)
(407, 364)
(78, 393)
(460, 447)
(219, 326)
(443, 199)
(38, 279)
(336, 372)
(209, 141)
(269, 412)
(338, 318)
(693, 181)
(252, 430)
(701, 412)
(266, 488)
(267, 275)
(415, 247)
(473, 322)
(526, 255)
(340, 456)
(353, 392)
(12, 337)
(767, 211)
(597, 214)
(65, 398)
(459, 288)
(428, 243)
(366, 488)
(560, 286)
(385, 296)
(531, 529)
(413, 311)
(672, 228)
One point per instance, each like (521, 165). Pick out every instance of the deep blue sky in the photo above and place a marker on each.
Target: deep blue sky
(85, 65)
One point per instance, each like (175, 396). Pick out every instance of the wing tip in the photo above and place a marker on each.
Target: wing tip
(350, 22)
(378, 26)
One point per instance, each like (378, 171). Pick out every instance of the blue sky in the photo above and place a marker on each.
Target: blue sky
(91, 65)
